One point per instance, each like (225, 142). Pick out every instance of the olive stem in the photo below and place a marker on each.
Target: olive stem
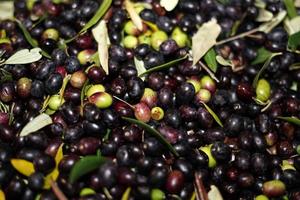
(11, 115)
(237, 36)
(58, 193)
(200, 189)
(45, 104)
(211, 74)
(119, 99)
(63, 87)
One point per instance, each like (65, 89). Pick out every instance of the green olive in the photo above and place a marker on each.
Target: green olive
(157, 113)
(145, 38)
(263, 90)
(195, 83)
(51, 33)
(273, 188)
(130, 42)
(55, 102)
(94, 89)
(84, 56)
(180, 37)
(157, 38)
(87, 191)
(101, 99)
(131, 29)
(261, 197)
(157, 194)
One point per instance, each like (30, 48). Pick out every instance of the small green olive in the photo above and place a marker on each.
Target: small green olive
(55, 102)
(94, 89)
(131, 29)
(274, 188)
(130, 42)
(208, 83)
(157, 38)
(87, 191)
(101, 99)
(180, 37)
(157, 194)
(261, 197)
(145, 38)
(50, 33)
(286, 165)
(211, 160)
(263, 90)
(84, 56)
(203, 95)
(195, 83)
(157, 113)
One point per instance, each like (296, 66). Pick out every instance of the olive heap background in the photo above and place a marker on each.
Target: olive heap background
(254, 155)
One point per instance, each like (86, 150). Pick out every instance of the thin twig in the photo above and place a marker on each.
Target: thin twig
(210, 73)
(58, 193)
(119, 99)
(237, 36)
(107, 194)
(200, 189)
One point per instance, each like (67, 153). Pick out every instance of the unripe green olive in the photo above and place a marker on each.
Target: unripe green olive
(145, 38)
(94, 89)
(208, 83)
(84, 56)
(50, 33)
(261, 197)
(157, 38)
(157, 113)
(78, 79)
(87, 191)
(263, 90)
(130, 42)
(131, 29)
(180, 37)
(55, 102)
(157, 194)
(286, 165)
(149, 97)
(195, 83)
(211, 160)
(101, 99)
(274, 188)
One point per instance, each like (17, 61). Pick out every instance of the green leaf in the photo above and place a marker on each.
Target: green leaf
(84, 166)
(24, 56)
(85, 87)
(140, 67)
(29, 39)
(163, 66)
(213, 114)
(94, 20)
(294, 41)
(224, 62)
(262, 55)
(153, 132)
(126, 194)
(293, 120)
(36, 124)
(210, 59)
(5, 75)
(290, 8)
(263, 68)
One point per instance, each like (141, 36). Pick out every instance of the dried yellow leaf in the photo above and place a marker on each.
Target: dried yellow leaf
(23, 166)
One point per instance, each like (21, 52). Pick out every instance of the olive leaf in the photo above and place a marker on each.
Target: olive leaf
(293, 120)
(268, 26)
(224, 62)
(6, 10)
(264, 15)
(23, 166)
(2, 195)
(100, 34)
(163, 66)
(140, 67)
(294, 41)
(36, 124)
(294, 66)
(153, 132)
(29, 39)
(5, 75)
(95, 19)
(213, 114)
(54, 174)
(136, 19)
(24, 56)
(224, 2)
(255, 81)
(260, 3)
(84, 166)
(292, 26)
(169, 5)
(204, 39)
(126, 194)
(214, 193)
(290, 8)
(210, 59)
(262, 55)
(297, 3)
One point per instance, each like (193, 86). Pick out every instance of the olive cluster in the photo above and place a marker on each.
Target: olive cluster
(253, 154)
